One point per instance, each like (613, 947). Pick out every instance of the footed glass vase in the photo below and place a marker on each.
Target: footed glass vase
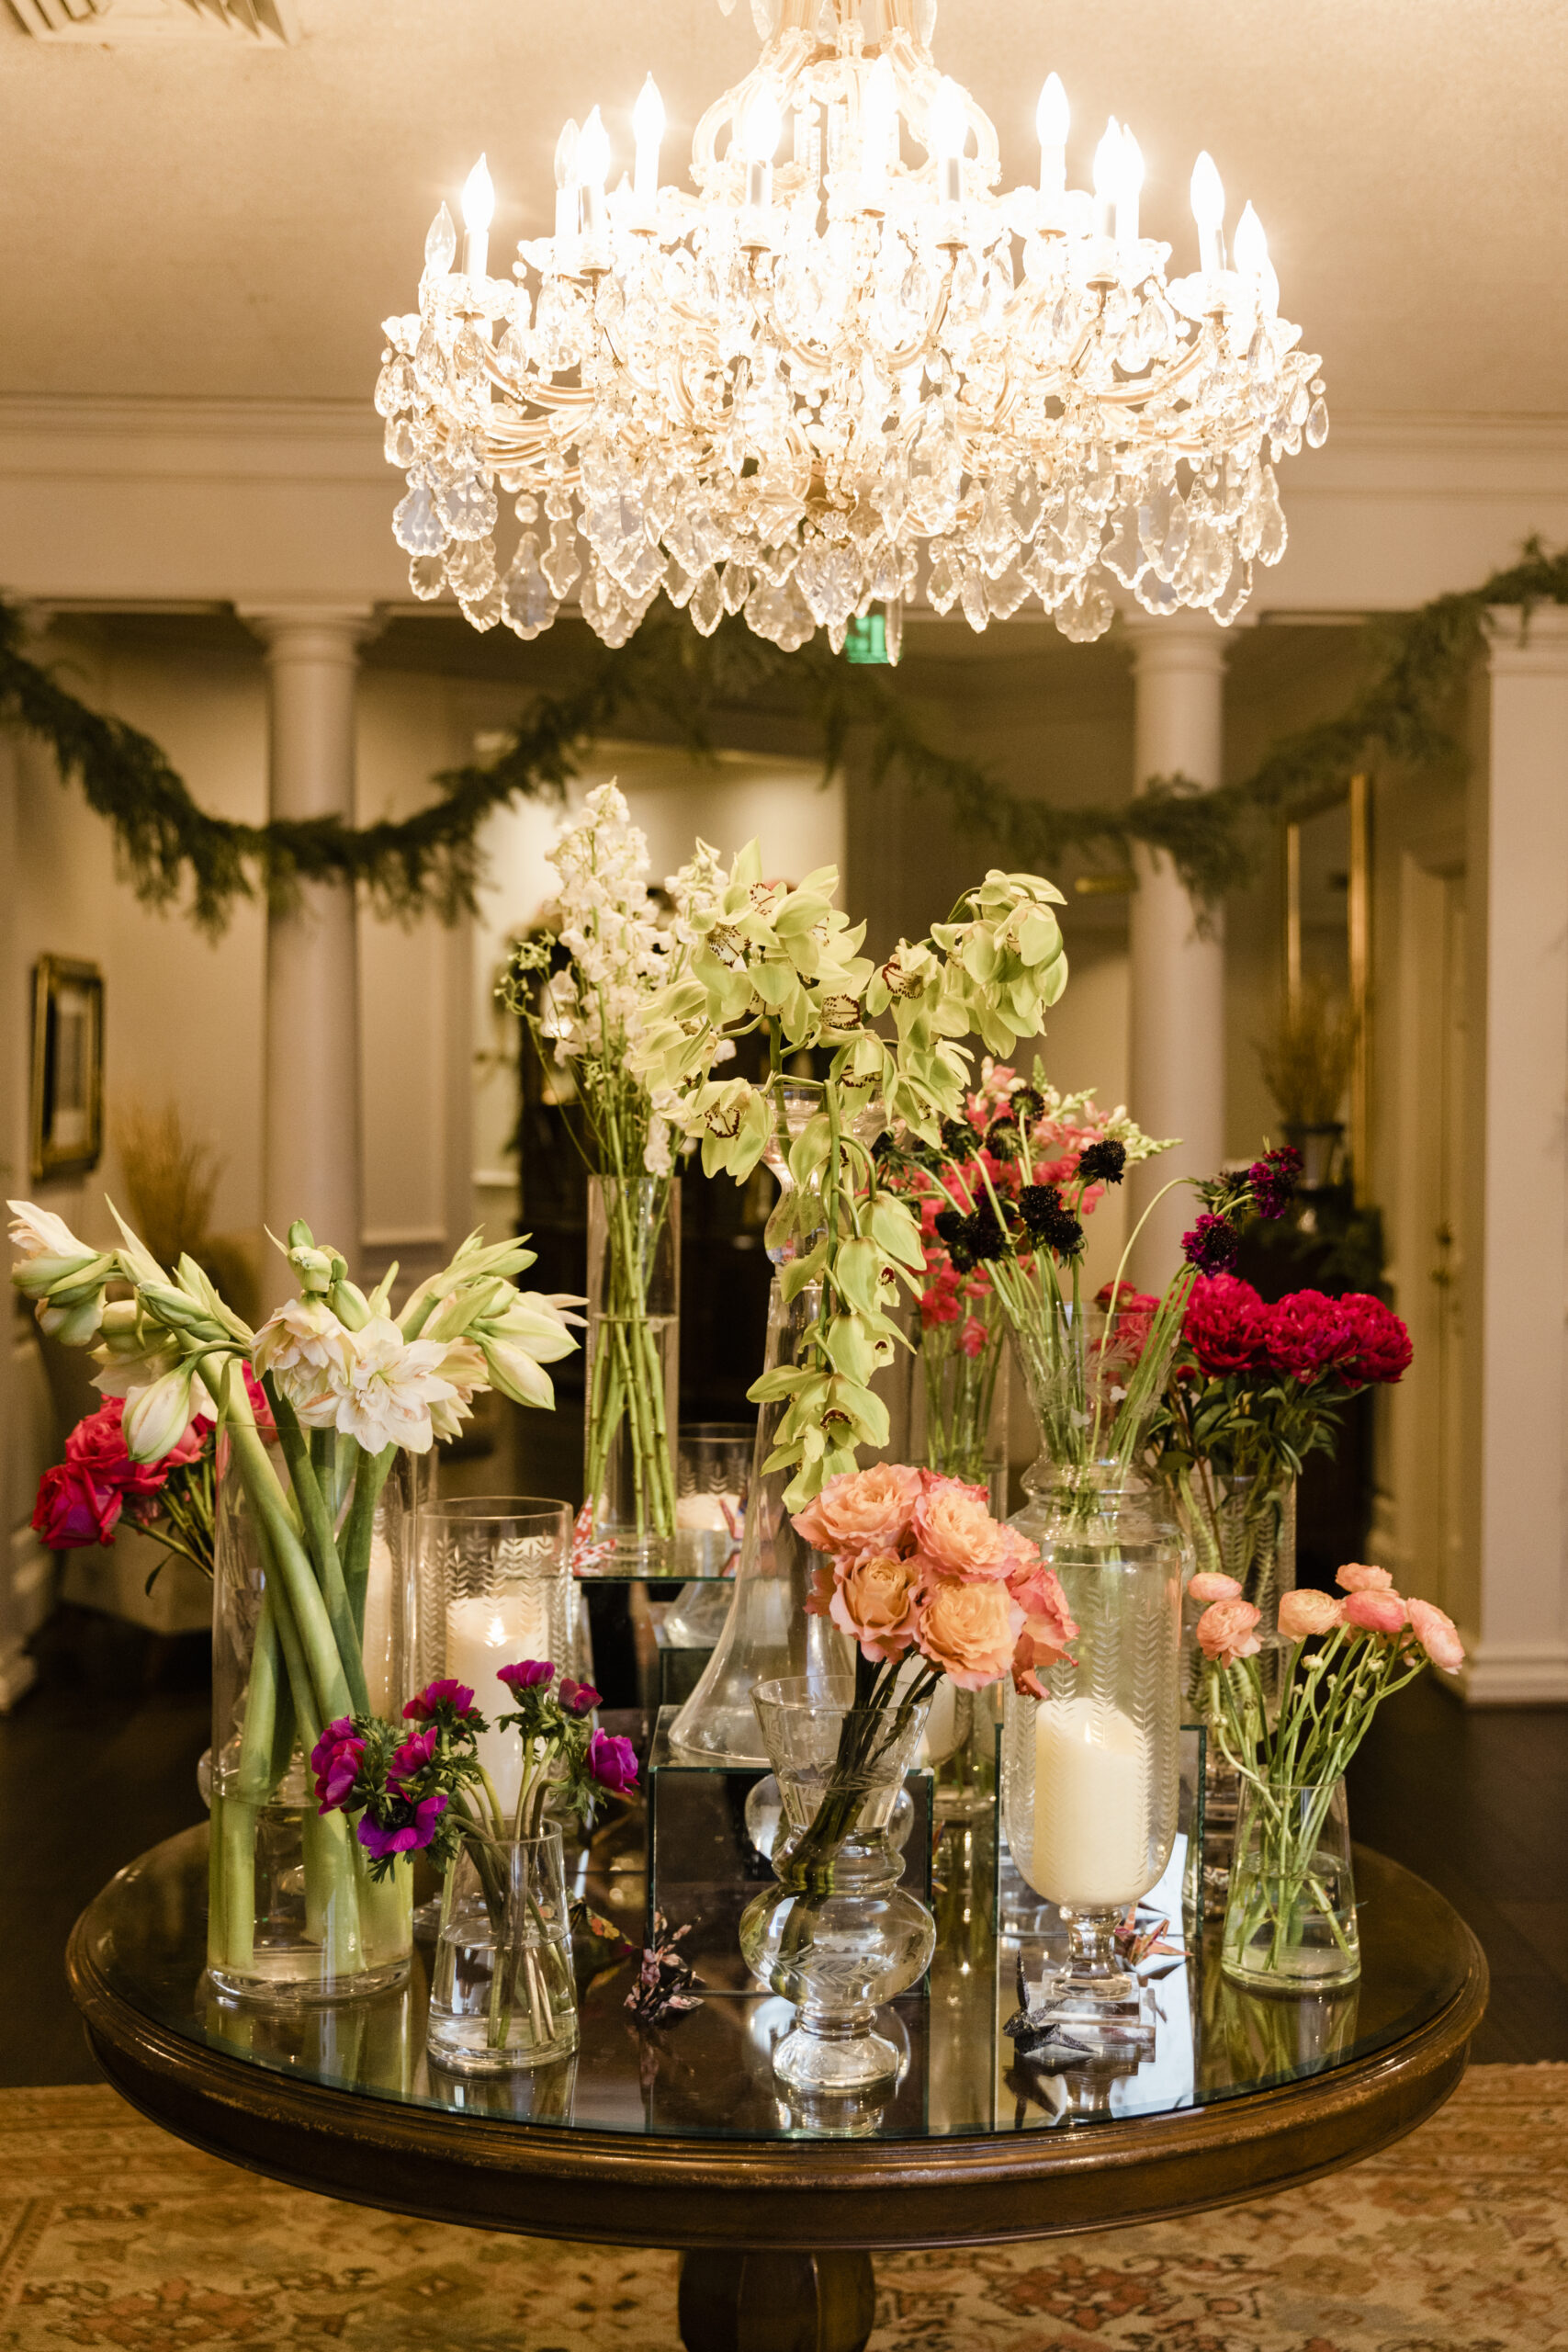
(1290, 1911)
(294, 1914)
(838, 1936)
(1091, 1772)
(633, 1350)
(504, 1995)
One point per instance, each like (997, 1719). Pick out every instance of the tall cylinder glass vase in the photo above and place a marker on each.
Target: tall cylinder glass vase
(294, 1916)
(631, 1371)
(1090, 1773)
(961, 1399)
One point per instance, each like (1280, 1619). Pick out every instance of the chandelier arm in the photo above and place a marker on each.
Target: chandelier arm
(1129, 395)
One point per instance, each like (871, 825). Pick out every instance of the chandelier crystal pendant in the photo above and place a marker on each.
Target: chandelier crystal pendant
(846, 376)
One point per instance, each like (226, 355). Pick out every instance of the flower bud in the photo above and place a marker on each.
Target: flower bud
(157, 1415)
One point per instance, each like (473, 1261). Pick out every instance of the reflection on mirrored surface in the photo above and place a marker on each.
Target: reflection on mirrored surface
(709, 2074)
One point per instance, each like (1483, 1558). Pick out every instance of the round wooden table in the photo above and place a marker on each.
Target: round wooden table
(677, 2136)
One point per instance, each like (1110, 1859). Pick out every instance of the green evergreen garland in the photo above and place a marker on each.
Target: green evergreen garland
(669, 676)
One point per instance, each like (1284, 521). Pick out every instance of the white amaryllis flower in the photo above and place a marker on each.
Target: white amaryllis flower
(529, 1333)
(308, 1353)
(52, 1256)
(463, 1365)
(158, 1413)
(385, 1394)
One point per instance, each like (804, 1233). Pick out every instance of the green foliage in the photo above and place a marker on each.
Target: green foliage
(669, 677)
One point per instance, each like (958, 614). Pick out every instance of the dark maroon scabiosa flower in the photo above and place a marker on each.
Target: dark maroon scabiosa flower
(959, 1140)
(412, 1756)
(1226, 1325)
(1273, 1180)
(447, 1693)
(1004, 1138)
(1026, 1102)
(335, 1761)
(1309, 1335)
(412, 1826)
(1104, 1162)
(1211, 1245)
(578, 1698)
(529, 1674)
(1047, 1221)
(1382, 1351)
(613, 1761)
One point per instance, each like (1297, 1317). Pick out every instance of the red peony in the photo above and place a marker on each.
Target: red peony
(1226, 1325)
(1382, 1351)
(1308, 1335)
(73, 1507)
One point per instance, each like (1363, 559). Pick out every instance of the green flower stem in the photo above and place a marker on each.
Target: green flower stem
(370, 1477)
(312, 1505)
(307, 1610)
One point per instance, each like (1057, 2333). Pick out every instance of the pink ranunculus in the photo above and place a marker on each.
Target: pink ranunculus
(954, 1527)
(1437, 1634)
(1383, 1349)
(1225, 1324)
(74, 1508)
(862, 1510)
(1227, 1631)
(1308, 1335)
(1376, 1611)
(969, 1630)
(1048, 1622)
(1209, 1585)
(873, 1600)
(1354, 1577)
(1305, 1612)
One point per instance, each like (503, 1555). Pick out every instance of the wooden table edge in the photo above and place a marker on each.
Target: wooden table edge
(555, 2181)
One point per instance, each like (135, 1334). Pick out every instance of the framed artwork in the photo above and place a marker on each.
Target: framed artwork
(68, 1067)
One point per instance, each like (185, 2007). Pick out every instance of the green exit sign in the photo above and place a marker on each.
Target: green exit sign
(866, 640)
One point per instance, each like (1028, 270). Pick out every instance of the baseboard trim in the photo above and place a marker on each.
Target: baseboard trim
(1516, 1674)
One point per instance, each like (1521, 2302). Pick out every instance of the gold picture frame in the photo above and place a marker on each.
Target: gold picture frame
(68, 1067)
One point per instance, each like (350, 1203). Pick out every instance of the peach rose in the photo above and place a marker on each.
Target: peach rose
(1306, 1612)
(1047, 1622)
(1228, 1630)
(953, 1528)
(873, 1601)
(862, 1510)
(1374, 1610)
(1437, 1634)
(1208, 1586)
(1354, 1577)
(969, 1630)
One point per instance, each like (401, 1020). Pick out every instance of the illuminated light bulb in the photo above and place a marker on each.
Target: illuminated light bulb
(1251, 246)
(878, 117)
(1051, 118)
(440, 244)
(648, 131)
(1208, 196)
(947, 127)
(566, 181)
(1127, 188)
(1107, 176)
(478, 211)
(593, 168)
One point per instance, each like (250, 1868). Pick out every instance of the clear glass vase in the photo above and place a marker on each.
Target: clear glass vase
(1290, 1913)
(961, 1393)
(1091, 1774)
(632, 1368)
(497, 1573)
(294, 1914)
(838, 1936)
(713, 1479)
(502, 1995)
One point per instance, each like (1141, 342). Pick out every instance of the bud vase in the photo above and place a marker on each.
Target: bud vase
(1090, 1774)
(504, 1995)
(1290, 1910)
(633, 1348)
(838, 1936)
(294, 1914)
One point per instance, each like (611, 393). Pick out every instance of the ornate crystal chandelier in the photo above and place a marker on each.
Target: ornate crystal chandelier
(848, 377)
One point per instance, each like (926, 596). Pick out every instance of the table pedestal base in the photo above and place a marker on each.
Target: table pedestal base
(741, 2300)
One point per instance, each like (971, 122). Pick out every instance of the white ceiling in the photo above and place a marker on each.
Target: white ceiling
(223, 221)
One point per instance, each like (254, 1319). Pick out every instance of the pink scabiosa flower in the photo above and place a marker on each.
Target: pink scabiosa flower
(1437, 1634)
(1354, 1576)
(1211, 1245)
(860, 1510)
(1376, 1611)
(1305, 1612)
(1228, 1631)
(1209, 1585)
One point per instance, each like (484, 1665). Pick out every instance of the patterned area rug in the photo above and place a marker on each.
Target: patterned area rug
(114, 2235)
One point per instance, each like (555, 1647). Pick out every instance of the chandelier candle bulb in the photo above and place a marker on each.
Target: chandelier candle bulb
(483, 1632)
(1208, 196)
(1052, 119)
(1091, 1806)
(566, 188)
(592, 170)
(1127, 189)
(759, 136)
(478, 211)
(648, 131)
(947, 130)
(1107, 176)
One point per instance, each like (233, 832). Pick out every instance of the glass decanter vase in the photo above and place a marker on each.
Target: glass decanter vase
(1090, 1773)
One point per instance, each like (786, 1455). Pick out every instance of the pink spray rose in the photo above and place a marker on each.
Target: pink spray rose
(1304, 1612)
(862, 1510)
(970, 1631)
(1437, 1634)
(1209, 1585)
(874, 1599)
(1376, 1611)
(1354, 1577)
(1227, 1631)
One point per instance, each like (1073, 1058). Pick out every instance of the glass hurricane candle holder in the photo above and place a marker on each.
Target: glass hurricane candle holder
(1090, 1774)
(496, 1571)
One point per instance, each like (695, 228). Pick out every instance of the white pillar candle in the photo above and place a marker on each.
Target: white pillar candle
(483, 1633)
(1091, 1806)
(376, 1647)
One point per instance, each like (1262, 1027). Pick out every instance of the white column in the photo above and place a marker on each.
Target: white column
(311, 1130)
(1177, 980)
(1518, 1628)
